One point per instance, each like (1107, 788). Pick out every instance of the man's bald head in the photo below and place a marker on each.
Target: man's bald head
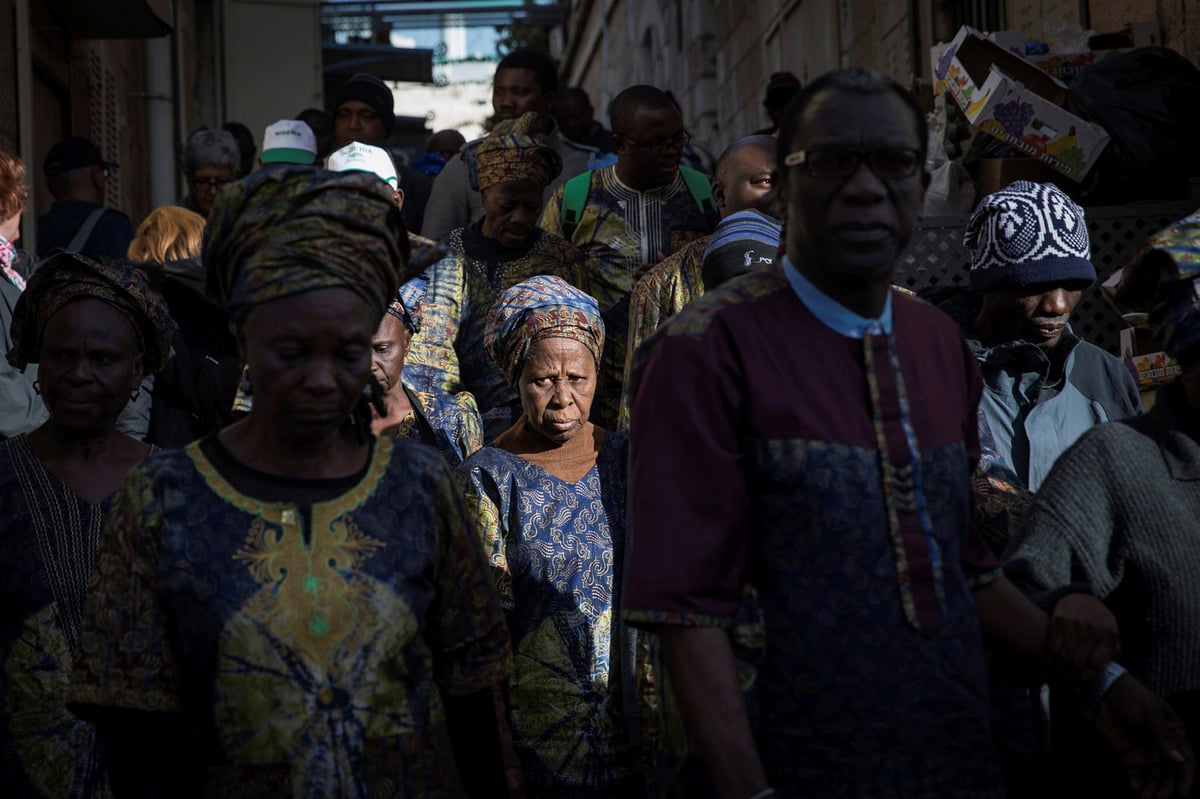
(744, 175)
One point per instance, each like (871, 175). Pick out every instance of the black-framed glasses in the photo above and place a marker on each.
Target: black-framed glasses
(663, 146)
(210, 185)
(840, 164)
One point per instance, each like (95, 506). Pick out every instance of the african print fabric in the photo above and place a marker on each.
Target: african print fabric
(556, 549)
(287, 229)
(448, 353)
(541, 307)
(1167, 270)
(660, 294)
(48, 539)
(448, 422)
(309, 646)
(70, 276)
(423, 253)
(515, 151)
(620, 230)
(834, 475)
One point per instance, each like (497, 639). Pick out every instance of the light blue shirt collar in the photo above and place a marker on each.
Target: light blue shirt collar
(831, 313)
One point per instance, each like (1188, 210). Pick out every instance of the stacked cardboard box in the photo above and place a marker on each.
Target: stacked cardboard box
(1007, 97)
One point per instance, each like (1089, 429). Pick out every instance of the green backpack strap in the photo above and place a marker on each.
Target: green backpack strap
(700, 189)
(575, 193)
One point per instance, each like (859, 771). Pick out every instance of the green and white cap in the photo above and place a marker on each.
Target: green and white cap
(359, 157)
(289, 141)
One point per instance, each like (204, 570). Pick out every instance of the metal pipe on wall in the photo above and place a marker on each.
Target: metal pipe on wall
(160, 121)
(21, 28)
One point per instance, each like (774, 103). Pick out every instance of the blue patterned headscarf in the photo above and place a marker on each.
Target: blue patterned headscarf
(407, 305)
(541, 307)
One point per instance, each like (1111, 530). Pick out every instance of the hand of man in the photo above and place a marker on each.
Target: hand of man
(1081, 637)
(1149, 740)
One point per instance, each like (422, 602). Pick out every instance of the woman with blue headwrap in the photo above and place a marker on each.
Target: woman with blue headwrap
(549, 497)
(1118, 517)
(291, 606)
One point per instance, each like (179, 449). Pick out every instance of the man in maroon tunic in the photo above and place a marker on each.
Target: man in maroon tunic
(809, 430)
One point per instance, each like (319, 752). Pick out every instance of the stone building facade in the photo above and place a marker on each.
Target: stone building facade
(717, 55)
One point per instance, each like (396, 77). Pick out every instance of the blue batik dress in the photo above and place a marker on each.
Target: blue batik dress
(556, 550)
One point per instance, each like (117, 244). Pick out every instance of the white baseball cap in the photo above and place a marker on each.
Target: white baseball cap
(358, 157)
(289, 141)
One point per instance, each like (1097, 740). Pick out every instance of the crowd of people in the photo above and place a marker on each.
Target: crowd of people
(551, 465)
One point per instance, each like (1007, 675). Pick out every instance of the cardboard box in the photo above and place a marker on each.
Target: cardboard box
(1144, 356)
(993, 174)
(1007, 97)
(1064, 65)
(1013, 41)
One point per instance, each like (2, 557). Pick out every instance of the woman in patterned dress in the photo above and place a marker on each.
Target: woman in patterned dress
(448, 422)
(513, 166)
(93, 330)
(291, 607)
(549, 499)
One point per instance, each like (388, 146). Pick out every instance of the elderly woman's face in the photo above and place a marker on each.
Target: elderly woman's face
(88, 366)
(206, 181)
(557, 384)
(511, 211)
(389, 347)
(309, 356)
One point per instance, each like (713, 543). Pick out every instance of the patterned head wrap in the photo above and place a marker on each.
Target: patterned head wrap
(1168, 265)
(541, 307)
(515, 150)
(285, 230)
(407, 305)
(71, 276)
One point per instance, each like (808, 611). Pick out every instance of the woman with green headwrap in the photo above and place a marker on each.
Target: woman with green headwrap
(291, 606)
(513, 167)
(93, 329)
(1118, 517)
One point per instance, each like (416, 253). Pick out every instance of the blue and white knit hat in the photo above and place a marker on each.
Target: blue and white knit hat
(742, 242)
(1028, 234)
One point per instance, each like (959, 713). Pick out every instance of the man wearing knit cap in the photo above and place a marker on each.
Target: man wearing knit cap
(1043, 385)
(364, 111)
(743, 242)
(811, 432)
(526, 80)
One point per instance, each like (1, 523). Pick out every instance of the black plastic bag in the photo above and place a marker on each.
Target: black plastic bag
(1149, 102)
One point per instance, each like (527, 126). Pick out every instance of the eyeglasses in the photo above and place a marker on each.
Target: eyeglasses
(662, 146)
(210, 185)
(839, 164)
